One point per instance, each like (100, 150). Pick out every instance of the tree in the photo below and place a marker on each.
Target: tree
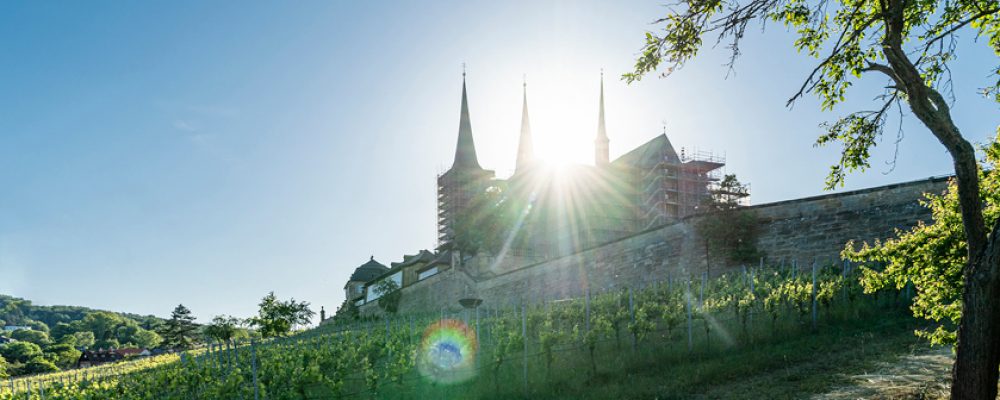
(147, 339)
(28, 335)
(20, 351)
(38, 326)
(3, 367)
(726, 227)
(389, 295)
(277, 318)
(224, 328)
(63, 355)
(13, 310)
(909, 44)
(62, 329)
(179, 331)
(83, 339)
(105, 326)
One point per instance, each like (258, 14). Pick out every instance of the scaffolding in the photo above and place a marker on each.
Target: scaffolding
(674, 188)
(456, 191)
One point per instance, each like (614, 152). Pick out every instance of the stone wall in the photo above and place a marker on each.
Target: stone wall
(818, 227)
(813, 228)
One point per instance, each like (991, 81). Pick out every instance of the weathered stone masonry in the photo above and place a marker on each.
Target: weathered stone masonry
(813, 228)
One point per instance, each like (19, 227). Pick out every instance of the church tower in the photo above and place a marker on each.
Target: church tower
(464, 181)
(525, 145)
(601, 151)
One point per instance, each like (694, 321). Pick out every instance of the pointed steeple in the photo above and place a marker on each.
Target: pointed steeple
(465, 152)
(525, 146)
(601, 156)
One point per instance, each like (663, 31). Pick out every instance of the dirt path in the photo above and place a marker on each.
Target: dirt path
(923, 374)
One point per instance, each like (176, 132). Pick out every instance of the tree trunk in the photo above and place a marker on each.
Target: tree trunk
(974, 375)
(976, 371)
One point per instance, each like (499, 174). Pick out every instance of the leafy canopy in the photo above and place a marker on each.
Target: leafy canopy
(277, 318)
(224, 328)
(908, 43)
(931, 256)
(20, 351)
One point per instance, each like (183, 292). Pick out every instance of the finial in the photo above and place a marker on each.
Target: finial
(463, 71)
(372, 258)
(524, 80)
(602, 74)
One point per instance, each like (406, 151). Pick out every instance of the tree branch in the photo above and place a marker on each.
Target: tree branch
(951, 30)
(833, 53)
(887, 70)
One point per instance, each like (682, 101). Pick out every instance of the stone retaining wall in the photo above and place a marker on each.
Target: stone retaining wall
(813, 228)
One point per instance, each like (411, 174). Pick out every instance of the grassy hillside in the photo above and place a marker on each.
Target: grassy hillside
(743, 337)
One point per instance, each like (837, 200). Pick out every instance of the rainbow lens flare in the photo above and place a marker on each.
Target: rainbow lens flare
(447, 352)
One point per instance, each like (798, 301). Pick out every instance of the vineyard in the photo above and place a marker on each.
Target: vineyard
(491, 351)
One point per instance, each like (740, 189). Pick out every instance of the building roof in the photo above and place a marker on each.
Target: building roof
(443, 257)
(368, 271)
(650, 153)
(129, 351)
(424, 256)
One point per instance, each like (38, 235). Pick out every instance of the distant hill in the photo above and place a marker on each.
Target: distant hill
(18, 311)
(50, 338)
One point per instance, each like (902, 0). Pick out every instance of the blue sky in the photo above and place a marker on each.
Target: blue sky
(206, 153)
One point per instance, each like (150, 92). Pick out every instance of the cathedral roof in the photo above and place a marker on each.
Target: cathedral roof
(601, 149)
(525, 145)
(368, 271)
(650, 153)
(465, 151)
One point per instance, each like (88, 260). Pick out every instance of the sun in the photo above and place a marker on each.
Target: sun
(565, 117)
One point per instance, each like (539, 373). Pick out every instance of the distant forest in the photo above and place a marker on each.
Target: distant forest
(59, 333)
(17, 311)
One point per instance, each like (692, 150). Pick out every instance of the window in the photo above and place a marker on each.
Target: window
(373, 293)
(427, 273)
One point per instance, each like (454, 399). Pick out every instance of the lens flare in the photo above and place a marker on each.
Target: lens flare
(447, 352)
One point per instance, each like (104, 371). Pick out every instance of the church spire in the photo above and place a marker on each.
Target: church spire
(525, 147)
(601, 156)
(465, 152)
